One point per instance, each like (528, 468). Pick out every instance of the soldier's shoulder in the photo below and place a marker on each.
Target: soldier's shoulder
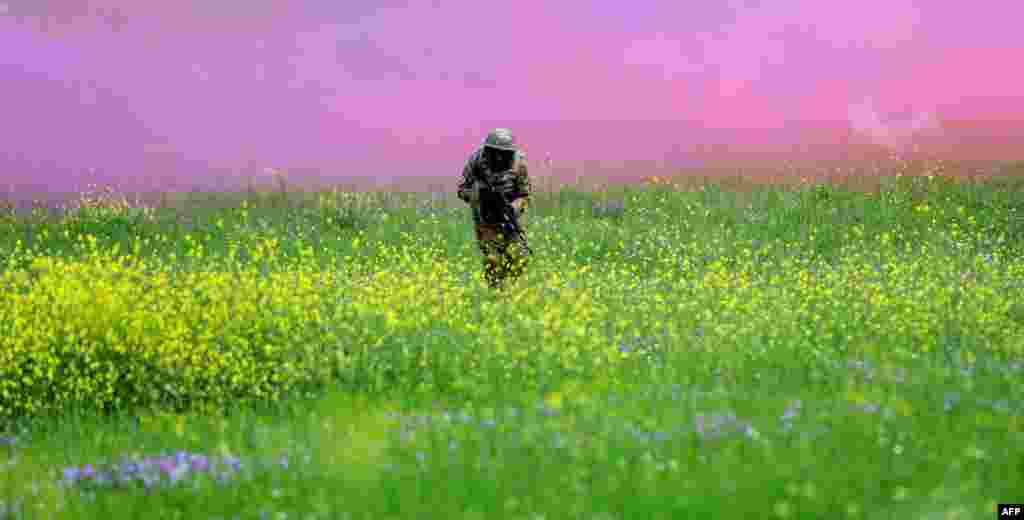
(475, 157)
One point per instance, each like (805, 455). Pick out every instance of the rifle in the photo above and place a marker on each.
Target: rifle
(510, 221)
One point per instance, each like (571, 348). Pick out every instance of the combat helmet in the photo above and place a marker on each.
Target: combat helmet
(501, 139)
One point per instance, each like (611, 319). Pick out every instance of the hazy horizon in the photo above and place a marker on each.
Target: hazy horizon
(175, 94)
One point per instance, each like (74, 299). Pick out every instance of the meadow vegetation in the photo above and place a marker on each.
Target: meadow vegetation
(792, 352)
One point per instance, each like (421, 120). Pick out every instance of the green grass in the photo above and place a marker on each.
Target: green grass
(778, 353)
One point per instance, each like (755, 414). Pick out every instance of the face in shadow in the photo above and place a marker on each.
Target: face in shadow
(499, 160)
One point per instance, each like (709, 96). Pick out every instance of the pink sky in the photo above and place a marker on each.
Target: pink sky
(410, 87)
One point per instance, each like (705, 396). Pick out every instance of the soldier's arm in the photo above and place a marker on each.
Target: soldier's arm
(523, 187)
(467, 184)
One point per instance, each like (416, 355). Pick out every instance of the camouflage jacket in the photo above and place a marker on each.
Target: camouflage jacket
(514, 183)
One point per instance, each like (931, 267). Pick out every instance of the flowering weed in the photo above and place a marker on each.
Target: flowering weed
(815, 351)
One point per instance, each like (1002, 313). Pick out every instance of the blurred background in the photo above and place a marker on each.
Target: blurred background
(154, 95)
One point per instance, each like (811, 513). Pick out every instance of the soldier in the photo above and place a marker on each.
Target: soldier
(495, 174)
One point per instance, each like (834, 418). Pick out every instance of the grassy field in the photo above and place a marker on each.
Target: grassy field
(793, 353)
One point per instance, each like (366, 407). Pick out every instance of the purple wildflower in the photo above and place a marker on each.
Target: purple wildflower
(151, 470)
(792, 410)
(166, 465)
(71, 475)
(104, 477)
(129, 468)
(200, 463)
(233, 462)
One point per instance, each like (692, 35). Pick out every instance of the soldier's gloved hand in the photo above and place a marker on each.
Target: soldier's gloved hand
(519, 205)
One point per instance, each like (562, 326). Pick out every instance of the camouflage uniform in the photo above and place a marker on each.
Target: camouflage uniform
(505, 257)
